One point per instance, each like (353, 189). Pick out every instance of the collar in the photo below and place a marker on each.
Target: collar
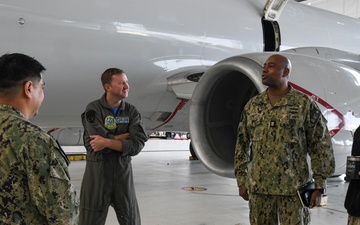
(104, 103)
(12, 110)
(288, 99)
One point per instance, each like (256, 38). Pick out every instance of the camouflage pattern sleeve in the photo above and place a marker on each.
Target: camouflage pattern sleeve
(49, 181)
(242, 152)
(319, 147)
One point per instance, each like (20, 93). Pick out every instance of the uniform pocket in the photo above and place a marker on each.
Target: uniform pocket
(255, 128)
(291, 126)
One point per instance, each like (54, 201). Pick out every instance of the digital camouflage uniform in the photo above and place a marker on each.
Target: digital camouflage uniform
(108, 178)
(35, 186)
(271, 155)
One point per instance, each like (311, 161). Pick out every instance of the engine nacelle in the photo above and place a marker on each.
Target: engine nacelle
(69, 136)
(223, 91)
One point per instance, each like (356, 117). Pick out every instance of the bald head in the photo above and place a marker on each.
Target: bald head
(284, 62)
(276, 72)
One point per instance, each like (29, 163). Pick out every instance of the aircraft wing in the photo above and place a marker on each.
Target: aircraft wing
(191, 65)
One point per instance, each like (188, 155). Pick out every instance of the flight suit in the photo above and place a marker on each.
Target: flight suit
(108, 177)
(35, 183)
(271, 155)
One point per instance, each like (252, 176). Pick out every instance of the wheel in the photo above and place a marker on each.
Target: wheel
(192, 152)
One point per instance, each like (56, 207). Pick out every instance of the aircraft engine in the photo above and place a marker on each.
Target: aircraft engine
(69, 136)
(223, 91)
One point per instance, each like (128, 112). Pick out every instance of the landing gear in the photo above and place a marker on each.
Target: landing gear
(192, 152)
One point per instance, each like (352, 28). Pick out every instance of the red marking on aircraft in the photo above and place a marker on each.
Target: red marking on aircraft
(178, 107)
(322, 102)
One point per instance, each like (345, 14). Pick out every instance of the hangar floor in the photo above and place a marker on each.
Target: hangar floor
(173, 190)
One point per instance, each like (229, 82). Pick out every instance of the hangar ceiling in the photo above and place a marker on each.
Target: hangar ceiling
(347, 7)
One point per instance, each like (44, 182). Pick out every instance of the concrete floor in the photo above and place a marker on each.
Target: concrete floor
(169, 191)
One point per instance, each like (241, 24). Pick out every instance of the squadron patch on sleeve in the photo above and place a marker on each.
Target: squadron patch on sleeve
(90, 116)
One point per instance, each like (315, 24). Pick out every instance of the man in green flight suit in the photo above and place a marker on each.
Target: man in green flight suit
(113, 134)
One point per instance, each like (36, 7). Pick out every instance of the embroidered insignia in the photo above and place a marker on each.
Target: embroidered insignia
(272, 123)
(122, 119)
(90, 116)
(110, 122)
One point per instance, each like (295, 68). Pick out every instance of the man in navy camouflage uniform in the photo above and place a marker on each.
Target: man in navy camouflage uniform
(113, 134)
(278, 130)
(35, 186)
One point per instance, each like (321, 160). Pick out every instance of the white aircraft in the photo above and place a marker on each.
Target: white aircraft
(166, 46)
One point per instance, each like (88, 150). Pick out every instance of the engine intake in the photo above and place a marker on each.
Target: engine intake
(216, 107)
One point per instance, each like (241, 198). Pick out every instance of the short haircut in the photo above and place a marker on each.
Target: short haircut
(106, 77)
(16, 69)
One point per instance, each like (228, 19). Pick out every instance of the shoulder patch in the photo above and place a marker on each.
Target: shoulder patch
(90, 116)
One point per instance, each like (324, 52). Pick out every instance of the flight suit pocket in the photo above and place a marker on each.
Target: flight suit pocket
(94, 157)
